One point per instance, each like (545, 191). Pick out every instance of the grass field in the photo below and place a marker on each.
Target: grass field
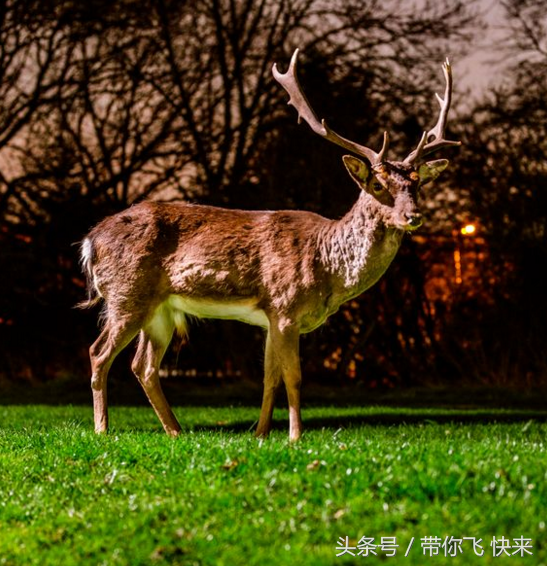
(217, 496)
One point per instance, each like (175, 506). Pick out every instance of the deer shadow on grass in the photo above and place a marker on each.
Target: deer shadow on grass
(379, 420)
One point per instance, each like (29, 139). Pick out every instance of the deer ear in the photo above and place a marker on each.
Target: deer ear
(431, 170)
(359, 170)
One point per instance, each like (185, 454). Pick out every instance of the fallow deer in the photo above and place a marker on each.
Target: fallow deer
(287, 271)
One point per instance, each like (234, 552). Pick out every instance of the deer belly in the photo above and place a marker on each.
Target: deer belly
(242, 310)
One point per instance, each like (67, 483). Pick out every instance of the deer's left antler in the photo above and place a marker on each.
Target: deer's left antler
(289, 81)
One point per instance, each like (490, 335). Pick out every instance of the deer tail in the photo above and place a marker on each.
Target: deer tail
(87, 256)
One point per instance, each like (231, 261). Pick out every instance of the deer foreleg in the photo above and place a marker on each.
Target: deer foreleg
(272, 381)
(284, 351)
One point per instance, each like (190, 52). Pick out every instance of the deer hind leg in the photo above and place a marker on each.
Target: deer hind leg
(284, 359)
(152, 345)
(112, 340)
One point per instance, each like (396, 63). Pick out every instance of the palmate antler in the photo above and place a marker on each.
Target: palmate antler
(289, 81)
(425, 147)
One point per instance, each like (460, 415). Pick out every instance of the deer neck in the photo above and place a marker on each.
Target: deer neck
(358, 248)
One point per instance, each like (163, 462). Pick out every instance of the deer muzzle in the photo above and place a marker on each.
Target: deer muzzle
(414, 220)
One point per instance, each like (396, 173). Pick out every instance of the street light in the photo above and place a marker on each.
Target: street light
(466, 230)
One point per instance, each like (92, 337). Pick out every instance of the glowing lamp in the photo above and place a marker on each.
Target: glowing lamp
(468, 230)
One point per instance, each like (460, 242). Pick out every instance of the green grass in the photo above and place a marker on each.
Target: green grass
(216, 496)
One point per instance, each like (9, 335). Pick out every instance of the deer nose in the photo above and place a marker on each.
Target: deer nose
(414, 220)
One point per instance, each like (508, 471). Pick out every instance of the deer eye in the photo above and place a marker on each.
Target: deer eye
(377, 187)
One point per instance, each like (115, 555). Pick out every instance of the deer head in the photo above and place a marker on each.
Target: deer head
(390, 188)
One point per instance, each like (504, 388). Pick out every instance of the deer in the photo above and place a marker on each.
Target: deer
(156, 264)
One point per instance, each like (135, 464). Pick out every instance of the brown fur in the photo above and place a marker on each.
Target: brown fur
(286, 271)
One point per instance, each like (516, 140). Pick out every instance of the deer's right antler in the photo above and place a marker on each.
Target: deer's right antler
(425, 146)
(289, 82)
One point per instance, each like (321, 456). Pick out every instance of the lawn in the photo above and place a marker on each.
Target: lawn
(359, 478)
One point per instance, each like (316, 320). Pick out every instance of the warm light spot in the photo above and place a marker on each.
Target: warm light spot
(458, 267)
(468, 229)
(352, 369)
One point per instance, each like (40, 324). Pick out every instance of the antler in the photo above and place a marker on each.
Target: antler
(425, 147)
(289, 82)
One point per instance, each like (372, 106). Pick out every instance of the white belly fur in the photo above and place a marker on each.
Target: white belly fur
(244, 311)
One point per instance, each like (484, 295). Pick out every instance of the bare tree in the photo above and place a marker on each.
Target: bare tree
(180, 97)
(501, 183)
(109, 137)
(34, 62)
(218, 54)
(175, 100)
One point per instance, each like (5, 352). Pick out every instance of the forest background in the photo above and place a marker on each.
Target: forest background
(104, 104)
